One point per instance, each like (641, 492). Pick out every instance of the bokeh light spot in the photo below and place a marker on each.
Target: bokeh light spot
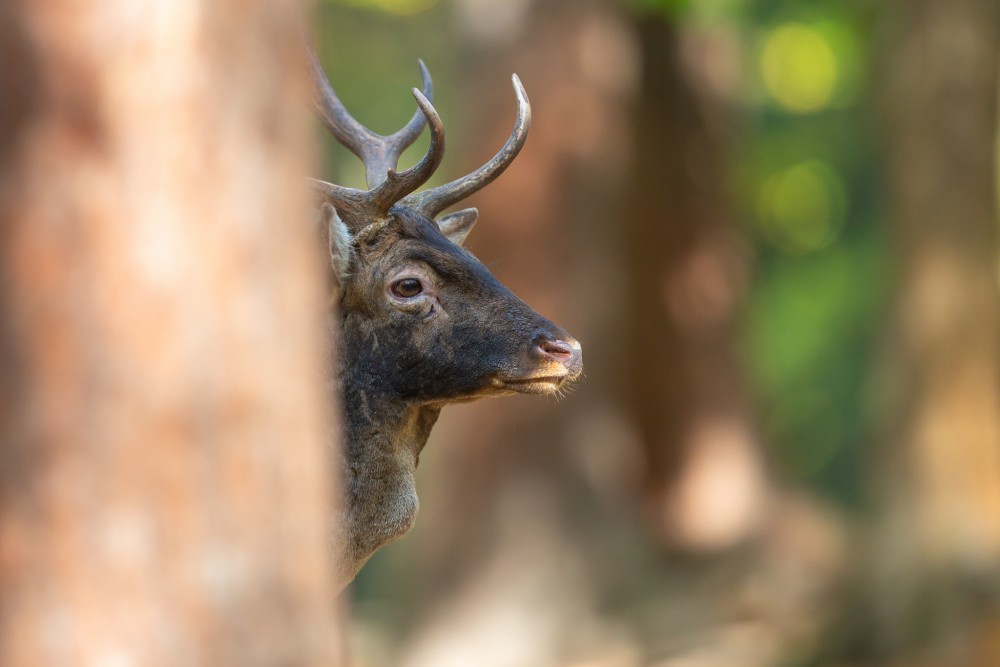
(799, 68)
(802, 209)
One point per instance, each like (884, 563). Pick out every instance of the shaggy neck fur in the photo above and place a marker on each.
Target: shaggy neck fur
(384, 438)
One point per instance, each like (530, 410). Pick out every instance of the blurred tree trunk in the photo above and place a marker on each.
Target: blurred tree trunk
(938, 549)
(163, 473)
(687, 275)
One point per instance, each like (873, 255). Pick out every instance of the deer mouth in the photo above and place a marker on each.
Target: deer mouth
(542, 384)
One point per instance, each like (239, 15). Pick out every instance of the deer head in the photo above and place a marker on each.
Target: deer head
(423, 323)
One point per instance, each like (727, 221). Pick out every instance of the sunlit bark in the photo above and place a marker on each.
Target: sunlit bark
(163, 473)
(939, 537)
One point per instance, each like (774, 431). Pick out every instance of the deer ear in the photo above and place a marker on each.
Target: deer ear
(456, 226)
(341, 242)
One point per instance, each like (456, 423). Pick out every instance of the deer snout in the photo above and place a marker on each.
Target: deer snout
(565, 351)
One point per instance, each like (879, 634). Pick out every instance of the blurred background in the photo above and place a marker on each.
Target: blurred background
(772, 224)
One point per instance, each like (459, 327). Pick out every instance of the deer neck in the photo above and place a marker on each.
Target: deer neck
(385, 435)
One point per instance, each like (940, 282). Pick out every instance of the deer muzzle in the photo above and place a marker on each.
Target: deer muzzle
(553, 361)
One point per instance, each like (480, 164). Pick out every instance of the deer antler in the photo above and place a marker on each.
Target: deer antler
(380, 154)
(435, 200)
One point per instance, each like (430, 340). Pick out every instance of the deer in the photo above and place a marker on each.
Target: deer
(422, 323)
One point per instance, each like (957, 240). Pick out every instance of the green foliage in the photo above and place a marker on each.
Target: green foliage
(809, 331)
(804, 180)
(808, 198)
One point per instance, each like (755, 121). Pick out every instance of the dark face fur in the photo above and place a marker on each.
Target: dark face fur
(425, 322)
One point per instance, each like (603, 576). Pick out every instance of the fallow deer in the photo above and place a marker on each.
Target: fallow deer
(422, 322)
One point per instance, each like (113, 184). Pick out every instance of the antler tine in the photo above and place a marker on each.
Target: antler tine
(331, 111)
(379, 153)
(406, 136)
(363, 206)
(351, 202)
(396, 186)
(435, 200)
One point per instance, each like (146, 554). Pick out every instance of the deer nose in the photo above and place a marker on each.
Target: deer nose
(567, 352)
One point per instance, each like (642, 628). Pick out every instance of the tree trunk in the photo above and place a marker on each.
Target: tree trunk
(164, 485)
(939, 537)
(687, 274)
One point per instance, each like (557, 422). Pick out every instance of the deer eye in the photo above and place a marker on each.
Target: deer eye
(407, 288)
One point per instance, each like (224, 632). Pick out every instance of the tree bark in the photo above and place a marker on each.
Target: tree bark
(164, 485)
(687, 275)
(939, 483)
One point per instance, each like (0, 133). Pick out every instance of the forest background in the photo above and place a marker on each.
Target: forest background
(773, 226)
